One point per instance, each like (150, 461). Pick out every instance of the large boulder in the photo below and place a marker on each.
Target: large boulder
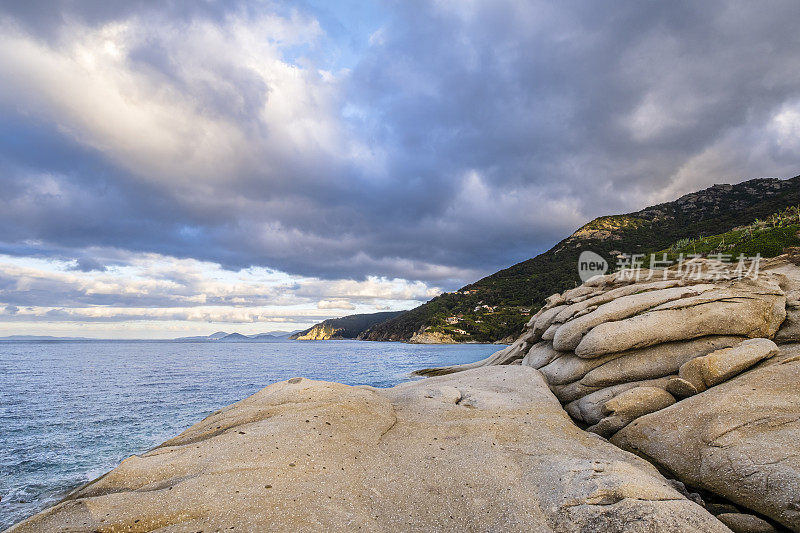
(618, 328)
(748, 308)
(721, 365)
(589, 408)
(621, 410)
(569, 336)
(488, 449)
(738, 439)
(653, 361)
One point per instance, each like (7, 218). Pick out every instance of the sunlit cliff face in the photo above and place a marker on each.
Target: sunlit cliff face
(303, 161)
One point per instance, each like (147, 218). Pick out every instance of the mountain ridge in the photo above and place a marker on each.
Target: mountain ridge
(346, 327)
(498, 305)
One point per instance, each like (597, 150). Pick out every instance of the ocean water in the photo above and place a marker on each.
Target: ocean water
(70, 411)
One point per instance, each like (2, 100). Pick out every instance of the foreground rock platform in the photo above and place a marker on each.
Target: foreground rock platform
(698, 373)
(489, 449)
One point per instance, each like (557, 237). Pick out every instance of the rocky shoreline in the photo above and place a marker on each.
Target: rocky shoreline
(664, 403)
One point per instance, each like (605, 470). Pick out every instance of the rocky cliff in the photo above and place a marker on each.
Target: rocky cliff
(319, 332)
(660, 403)
(346, 327)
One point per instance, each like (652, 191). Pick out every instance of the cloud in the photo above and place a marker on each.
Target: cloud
(155, 289)
(384, 154)
(87, 264)
(334, 304)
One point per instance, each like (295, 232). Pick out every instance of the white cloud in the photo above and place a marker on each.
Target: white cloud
(334, 304)
(167, 128)
(160, 289)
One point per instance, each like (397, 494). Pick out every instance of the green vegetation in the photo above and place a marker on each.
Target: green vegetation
(717, 211)
(766, 237)
(608, 225)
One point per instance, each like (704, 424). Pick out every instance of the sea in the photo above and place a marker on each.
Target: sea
(71, 411)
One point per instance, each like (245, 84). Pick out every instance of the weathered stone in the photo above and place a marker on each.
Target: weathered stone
(570, 334)
(554, 300)
(628, 406)
(653, 361)
(570, 295)
(743, 309)
(550, 332)
(589, 408)
(532, 320)
(489, 449)
(572, 391)
(567, 368)
(608, 426)
(721, 365)
(539, 355)
(691, 373)
(546, 319)
(680, 388)
(745, 523)
(637, 402)
(790, 329)
(575, 309)
(738, 439)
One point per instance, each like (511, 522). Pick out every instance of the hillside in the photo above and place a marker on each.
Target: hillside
(347, 327)
(498, 305)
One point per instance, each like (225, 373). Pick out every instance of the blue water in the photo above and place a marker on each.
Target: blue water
(70, 411)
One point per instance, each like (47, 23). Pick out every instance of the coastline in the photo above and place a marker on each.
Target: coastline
(483, 450)
(530, 438)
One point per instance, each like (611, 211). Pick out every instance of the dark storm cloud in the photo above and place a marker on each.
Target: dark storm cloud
(44, 18)
(466, 135)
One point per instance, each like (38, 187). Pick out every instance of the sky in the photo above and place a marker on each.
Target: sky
(180, 167)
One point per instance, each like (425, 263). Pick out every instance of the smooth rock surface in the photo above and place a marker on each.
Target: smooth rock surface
(589, 409)
(738, 439)
(745, 523)
(653, 361)
(488, 449)
(748, 313)
(721, 365)
(621, 410)
(638, 401)
(539, 355)
(570, 335)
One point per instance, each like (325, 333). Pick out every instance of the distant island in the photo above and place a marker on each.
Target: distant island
(220, 336)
